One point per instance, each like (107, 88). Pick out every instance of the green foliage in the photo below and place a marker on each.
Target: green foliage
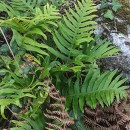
(20, 84)
(50, 47)
(79, 27)
(4, 48)
(25, 5)
(109, 14)
(116, 5)
(36, 122)
(15, 8)
(74, 35)
(95, 88)
(34, 26)
(57, 3)
(111, 6)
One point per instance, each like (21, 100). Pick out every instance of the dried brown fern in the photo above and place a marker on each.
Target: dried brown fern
(115, 117)
(102, 119)
(58, 118)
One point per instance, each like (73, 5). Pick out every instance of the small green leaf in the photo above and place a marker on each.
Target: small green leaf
(116, 5)
(2, 112)
(4, 48)
(109, 14)
(104, 4)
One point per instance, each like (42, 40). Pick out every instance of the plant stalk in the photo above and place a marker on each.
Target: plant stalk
(8, 45)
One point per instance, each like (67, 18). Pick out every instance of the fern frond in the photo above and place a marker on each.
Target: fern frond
(57, 112)
(100, 50)
(60, 106)
(96, 88)
(8, 9)
(19, 24)
(12, 96)
(20, 7)
(113, 117)
(72, 38)
(62, 114)
(25, 5)
(34, 26)
(34, 122)
(74, 35)
(77, 26)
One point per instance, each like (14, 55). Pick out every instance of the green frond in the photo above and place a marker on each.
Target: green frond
(35, 122)
(100, 50)
(20, 7)
(12, 96)
(96, 88)
(14, 89)
(8, 9)
(17, 23)
(32, 45)
(74, 35)
(25, 5)
(77, 26)
(34, 26)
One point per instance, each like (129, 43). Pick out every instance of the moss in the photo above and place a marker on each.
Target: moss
(122, 14)
(124, 11)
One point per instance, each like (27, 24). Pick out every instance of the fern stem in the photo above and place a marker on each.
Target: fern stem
(8, 45)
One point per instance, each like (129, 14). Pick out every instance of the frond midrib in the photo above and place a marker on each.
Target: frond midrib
(94, 92)
(77, 25)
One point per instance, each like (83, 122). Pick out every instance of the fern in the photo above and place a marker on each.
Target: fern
(11, 96)
(75, 28)
(74, 35)
(78, 26)
(8, 9)
(96, 88)
(57, 114)
(102, 49)
(25, 5)
(105, 119)
(33, 26)
(20, 8)
(25, 24)
(64, 48)
(35, 122)
(113, 117)
(19, 85)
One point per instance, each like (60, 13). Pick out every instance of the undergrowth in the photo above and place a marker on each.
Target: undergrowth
(48, 65)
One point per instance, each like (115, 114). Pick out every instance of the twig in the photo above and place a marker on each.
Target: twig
(8, 45)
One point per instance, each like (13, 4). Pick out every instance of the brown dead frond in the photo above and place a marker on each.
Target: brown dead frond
(115, 117)
(57, 117)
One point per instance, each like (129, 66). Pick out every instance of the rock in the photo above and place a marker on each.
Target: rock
(99, 30)
(123, 42)
(121, 61)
